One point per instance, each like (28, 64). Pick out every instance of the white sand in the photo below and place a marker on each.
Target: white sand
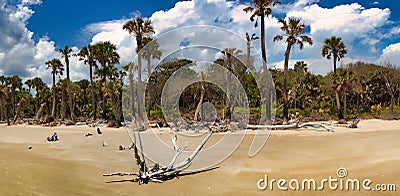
(75, 164)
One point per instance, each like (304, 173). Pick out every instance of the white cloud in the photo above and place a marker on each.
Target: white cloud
(391, 54)
(345, 19)
(350, 21)
(45, 49)
(17, 47)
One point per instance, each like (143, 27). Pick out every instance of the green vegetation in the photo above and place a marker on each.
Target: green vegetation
(353, 90)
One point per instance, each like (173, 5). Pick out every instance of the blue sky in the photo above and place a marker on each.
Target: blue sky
(31, 31)
(63, 20)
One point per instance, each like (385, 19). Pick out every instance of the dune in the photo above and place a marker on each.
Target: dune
(75, 163)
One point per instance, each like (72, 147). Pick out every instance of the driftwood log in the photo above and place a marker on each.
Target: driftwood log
(292, 126)
(159, 173)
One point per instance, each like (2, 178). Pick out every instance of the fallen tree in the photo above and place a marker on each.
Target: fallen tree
(293, 126)
(159, 173)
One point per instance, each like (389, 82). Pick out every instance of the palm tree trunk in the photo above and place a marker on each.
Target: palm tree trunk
(334, 63)
(285, 85)
(345, 106)
(7, 118)
(140, 93)
(228, 92)
(265, 67)
(391, 103)
(1, 109)
(132, 94)
(53, 110)
(263, 49)
(94, 105)
(13, 102)
(103, 82)
(71, 108)
(148, 88)
(340, 113)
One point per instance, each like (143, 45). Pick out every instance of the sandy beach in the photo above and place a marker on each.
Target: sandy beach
(74, 165)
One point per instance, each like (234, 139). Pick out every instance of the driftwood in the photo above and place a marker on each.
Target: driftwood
(53, 137)
(354, 123)
(159, 173)
(292, 126)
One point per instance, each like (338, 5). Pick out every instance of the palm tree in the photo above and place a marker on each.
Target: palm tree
(262, 9)
(15, 83)
(334, 47)
(342, 82)
(293, 31)
(106, 55)
(113, 90)
(5, 100)
(129, 69)
(29, 83)
(87, 55)
(57, 68)
(300, 67)
(139, 28)
(66, 54)
(249, 39)
(152, 50)
(38, 85)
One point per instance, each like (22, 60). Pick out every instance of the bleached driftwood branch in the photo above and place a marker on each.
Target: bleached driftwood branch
(170, 171)
(292, 126)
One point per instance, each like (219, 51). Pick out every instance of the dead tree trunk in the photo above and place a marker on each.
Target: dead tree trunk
(20, 106)
(170, 171)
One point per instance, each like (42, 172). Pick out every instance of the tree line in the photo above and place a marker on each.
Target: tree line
(352, 90)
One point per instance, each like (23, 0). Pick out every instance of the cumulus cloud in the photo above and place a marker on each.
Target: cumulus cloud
(19, 54)
(349, 21)
(391, 54)
(112, 31)
(17, 47)
(352, 22)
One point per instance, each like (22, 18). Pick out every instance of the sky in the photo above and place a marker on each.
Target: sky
(32, 31)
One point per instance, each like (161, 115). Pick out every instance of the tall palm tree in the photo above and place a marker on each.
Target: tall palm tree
(106, 55)
(152, 50)
(57, 68)
(5, 100)
(87, 55)
(15, 83)
(139, 28)
(261, 9)
(129, 69)
(335, 47)
(66, 53)
(293, 29)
